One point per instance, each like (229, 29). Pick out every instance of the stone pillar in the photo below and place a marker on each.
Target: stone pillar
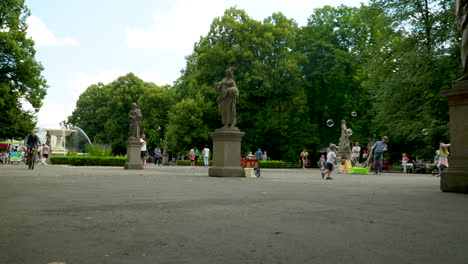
(226, 153)
(455, 178)
(133, 155)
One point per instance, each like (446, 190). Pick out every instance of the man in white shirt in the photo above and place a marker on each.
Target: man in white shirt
(143, 148)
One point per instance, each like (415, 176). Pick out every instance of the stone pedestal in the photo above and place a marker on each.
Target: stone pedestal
(133, 155)
(226, 153)
(455, 178)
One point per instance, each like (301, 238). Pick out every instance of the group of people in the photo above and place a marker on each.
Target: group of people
(418, 165)
(195, 153)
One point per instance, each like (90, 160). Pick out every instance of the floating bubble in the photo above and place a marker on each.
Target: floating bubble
(425, 132)
(395, 24)
(349, 131)
(353, 114)
(330, 123)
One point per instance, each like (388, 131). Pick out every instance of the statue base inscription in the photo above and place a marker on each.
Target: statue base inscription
(227, 153)
(455, 178)
(133, 155)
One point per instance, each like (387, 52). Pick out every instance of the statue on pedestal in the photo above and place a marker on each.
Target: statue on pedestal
(228, 93)
(462, 12)
(343, 146)
(134, 122)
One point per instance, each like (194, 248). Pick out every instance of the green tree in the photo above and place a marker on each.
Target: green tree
(102, 110)
(186, 128)
(20, 73)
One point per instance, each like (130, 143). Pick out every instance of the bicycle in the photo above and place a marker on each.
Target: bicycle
(31, 157)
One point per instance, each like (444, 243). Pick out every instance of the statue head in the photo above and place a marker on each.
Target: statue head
(230, 71)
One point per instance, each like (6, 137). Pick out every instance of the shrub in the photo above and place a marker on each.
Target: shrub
(98, 151)
(271, 164)
(187, 162)
(89, 160)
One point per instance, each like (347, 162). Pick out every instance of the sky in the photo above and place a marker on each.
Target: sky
(83, 42)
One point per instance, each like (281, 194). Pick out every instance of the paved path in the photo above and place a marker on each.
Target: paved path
(179, 215)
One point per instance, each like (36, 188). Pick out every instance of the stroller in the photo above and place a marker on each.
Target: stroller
(418, 167)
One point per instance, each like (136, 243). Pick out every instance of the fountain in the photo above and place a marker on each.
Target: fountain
(60, 133)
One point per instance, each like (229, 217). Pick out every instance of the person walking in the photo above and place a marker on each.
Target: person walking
(442, 162)
(404, 161)
(379, 148)
(331, 157)
(304, 157)
(157, 156)
(45, 153)
(206, 156)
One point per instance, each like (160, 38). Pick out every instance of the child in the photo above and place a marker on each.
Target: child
(404, 160)
(323, 164)
(304, 155)
(442, 163)
(331, 156)
(192, 158)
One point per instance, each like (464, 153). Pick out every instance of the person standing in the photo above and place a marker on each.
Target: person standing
(356, 152)
(192, 158)
(259, 154)
(404, 161)
(331, 156)
(206, 156)
(143, 148)
(45, 153)
(157, 156)
(304, 157)
(197, 154)
(379, 148)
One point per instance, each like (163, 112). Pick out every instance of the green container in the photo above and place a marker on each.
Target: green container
(351, 170)
(360, 170)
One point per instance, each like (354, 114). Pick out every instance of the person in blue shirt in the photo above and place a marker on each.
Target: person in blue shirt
(259, 154)
(379, 148)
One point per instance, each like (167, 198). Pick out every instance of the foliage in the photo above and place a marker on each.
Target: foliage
(271, 164)
(89, 160)
(102, 110)
(98, 150)
(20, 73)
(387, 61)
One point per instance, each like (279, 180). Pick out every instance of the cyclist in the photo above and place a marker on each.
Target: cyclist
(31, 141)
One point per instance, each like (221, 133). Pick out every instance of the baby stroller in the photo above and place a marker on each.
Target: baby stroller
(418, 167)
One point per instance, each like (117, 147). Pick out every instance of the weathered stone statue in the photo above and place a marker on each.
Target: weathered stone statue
(462, 11)
(134, 122)
(134, 161)
(228, 93)
(343, 146)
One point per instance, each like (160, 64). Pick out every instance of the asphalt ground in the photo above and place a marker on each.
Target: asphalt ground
(70, 215)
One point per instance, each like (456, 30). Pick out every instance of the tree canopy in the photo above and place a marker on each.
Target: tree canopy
(379, 66)
(20, 74)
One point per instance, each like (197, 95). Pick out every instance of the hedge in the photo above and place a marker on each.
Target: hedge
(89, 160)
(187, 162)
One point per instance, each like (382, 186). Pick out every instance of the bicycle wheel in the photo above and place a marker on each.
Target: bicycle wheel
(28, 161)
(33, 160)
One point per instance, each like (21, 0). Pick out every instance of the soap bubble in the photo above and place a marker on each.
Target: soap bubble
(425, 132)
(349, 132)
(354, 114)
(330, 123)
(395, 24)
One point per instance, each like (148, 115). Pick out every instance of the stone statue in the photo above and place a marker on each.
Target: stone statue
(343, 146)
(462, 12)
(228, 93)
(134, 122)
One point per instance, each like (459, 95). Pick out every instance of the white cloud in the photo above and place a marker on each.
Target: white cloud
(178, 28)
(39, 32)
